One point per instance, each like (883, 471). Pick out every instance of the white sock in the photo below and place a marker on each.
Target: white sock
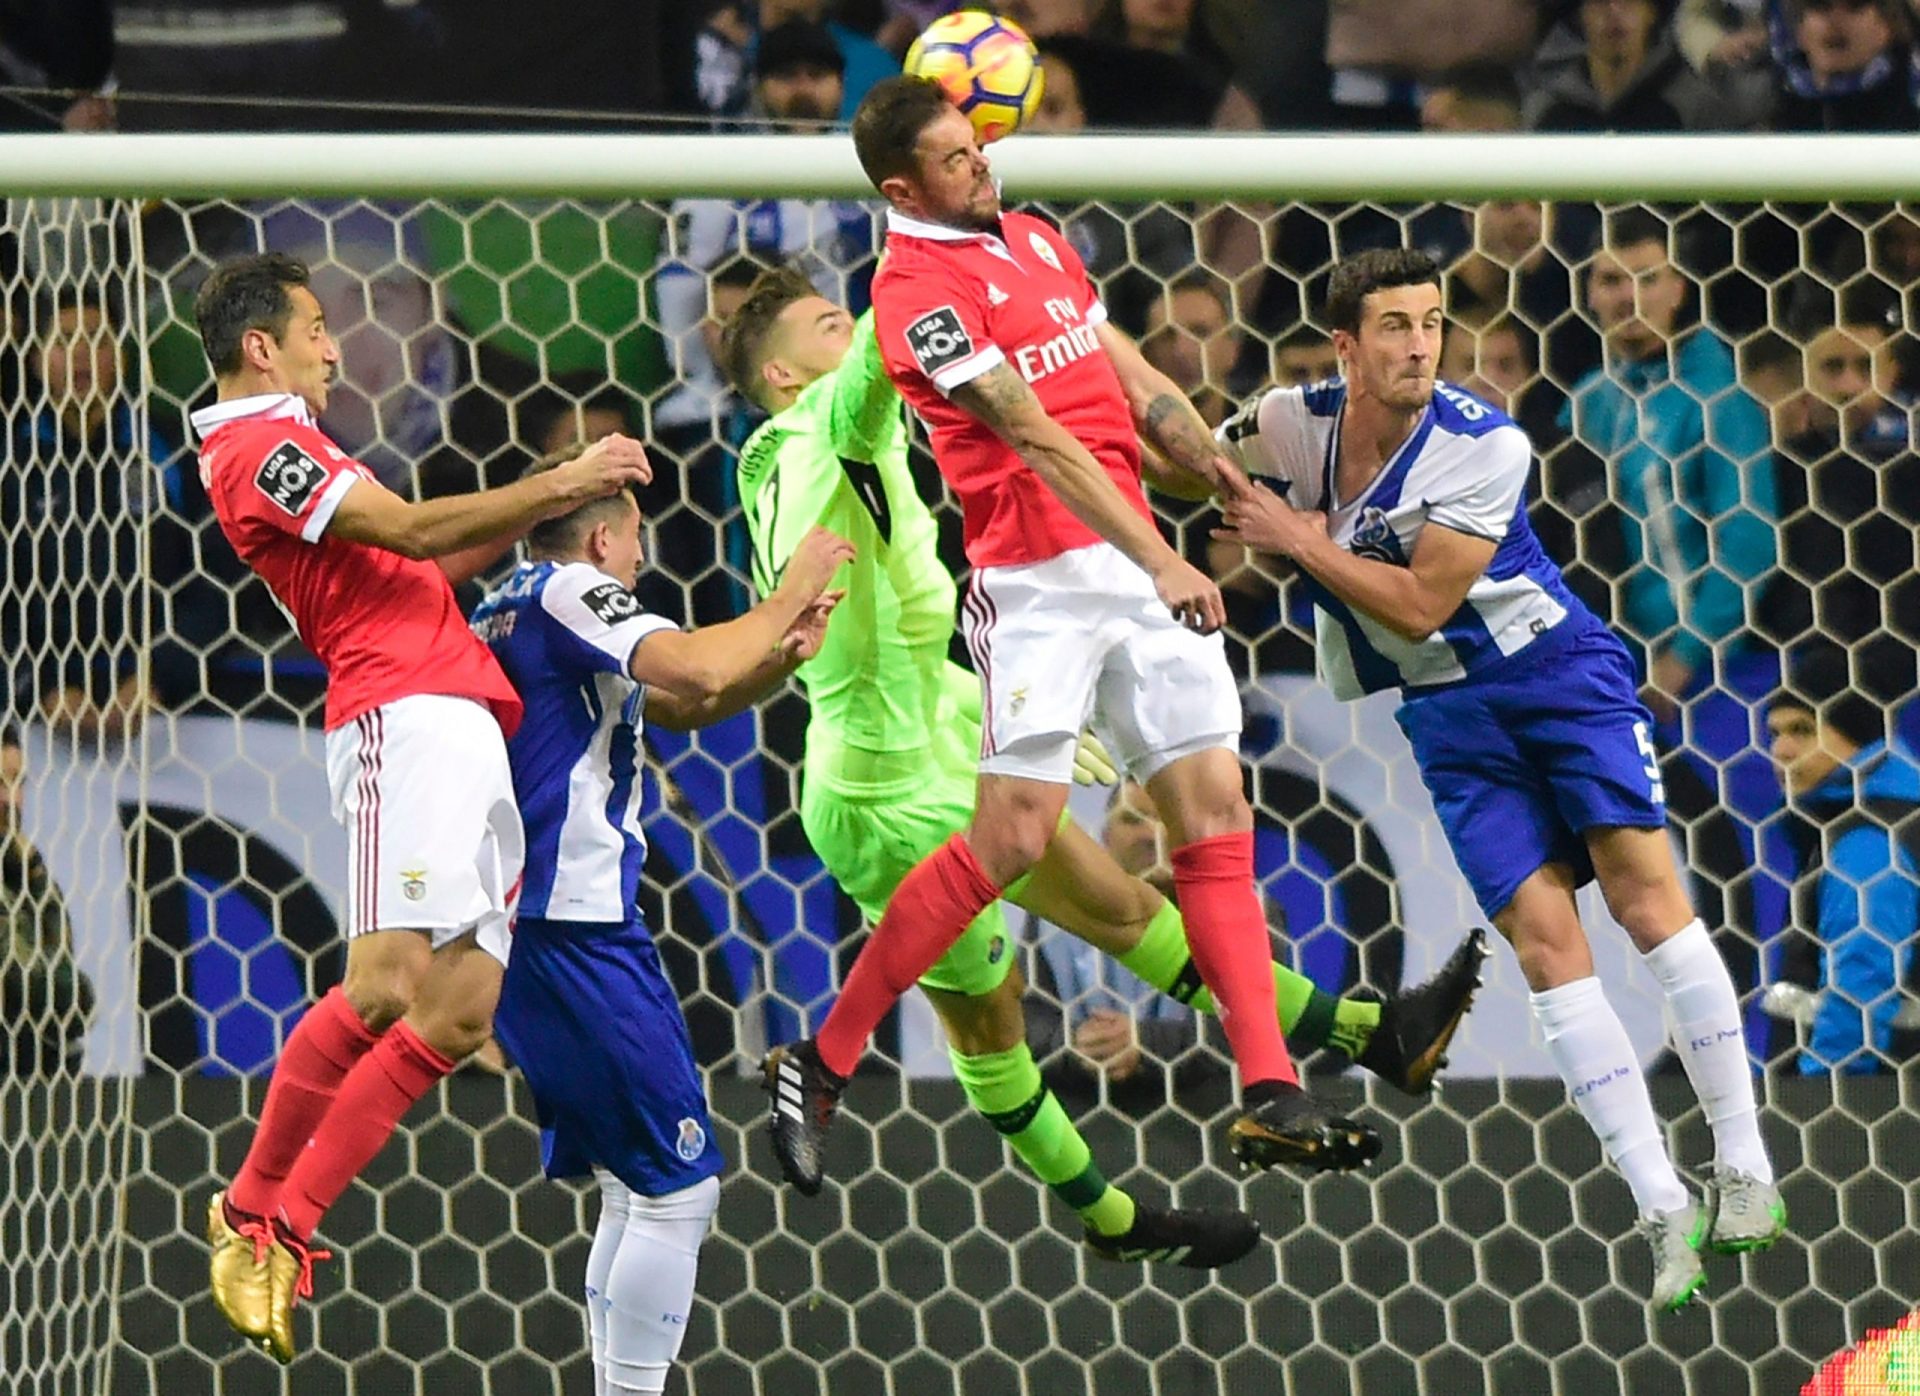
(1596, 1061)
(606, 1245)
(1703, 1015)
(650, 1289)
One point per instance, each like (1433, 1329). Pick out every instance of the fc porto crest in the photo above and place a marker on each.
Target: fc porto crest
(1373, 537)
(692, 1142)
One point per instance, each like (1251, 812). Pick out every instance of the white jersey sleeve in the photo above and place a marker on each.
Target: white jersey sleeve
(602, 619)
(1275, 436)
(1483, 485)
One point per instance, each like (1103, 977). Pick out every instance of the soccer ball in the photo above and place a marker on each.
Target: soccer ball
(987, 65)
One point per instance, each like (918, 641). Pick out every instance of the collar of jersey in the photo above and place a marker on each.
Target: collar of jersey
(254, 405)
(898, 222)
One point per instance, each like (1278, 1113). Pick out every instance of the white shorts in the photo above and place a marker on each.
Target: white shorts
(1083, 637)
(433, 835)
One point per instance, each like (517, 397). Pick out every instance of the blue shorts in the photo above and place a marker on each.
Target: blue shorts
(588, 1015)
(1523, 762)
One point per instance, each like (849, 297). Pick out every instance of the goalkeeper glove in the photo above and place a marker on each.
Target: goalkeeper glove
(1091, 764)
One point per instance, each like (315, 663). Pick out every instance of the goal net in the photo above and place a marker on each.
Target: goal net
(1720, 395)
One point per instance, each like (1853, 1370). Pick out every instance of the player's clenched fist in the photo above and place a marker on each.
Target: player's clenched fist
(609, 464)
(1192, 597)
(819, 555)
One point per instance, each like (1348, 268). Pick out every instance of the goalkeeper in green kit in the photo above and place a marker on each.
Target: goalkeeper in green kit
(889, 773)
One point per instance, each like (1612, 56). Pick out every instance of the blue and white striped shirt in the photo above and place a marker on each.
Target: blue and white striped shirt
(1465, 468)
(565, 634)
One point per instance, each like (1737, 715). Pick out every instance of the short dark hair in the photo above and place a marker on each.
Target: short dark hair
(247, 293)
(562, 533)
(1629, 227)
(889, 122)
(1377, 269)
(1819, 680)
(743, 339)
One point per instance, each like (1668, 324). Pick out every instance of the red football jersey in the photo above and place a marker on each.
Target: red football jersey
(949, 305)
(386, 626)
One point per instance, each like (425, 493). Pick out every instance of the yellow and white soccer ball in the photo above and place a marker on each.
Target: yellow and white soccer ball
(987, 65)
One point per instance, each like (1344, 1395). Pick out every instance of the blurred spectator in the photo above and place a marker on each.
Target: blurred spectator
(1472, 99)
(1720, 37)
(1843, 65)
(1500, 362)
(1850, 491)
(1191, 337)
(1092, 1019)
(799, 87)
(1612, 66)
(82, 479)
(727, 63)
(45, 1001)
(1092, 83)
(1856, 901)
(1515, 262)
(1304, 355)
(701, 553)
(65, 48)
(1046, 19)
(1130, 250)
(1687, 456)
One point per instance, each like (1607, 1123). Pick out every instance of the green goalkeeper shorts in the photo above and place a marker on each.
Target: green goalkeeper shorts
(870, 846)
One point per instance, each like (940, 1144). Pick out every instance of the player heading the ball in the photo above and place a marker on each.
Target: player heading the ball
(1078, 610)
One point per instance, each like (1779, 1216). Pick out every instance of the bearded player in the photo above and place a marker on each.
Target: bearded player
(892, 739)
(1078, 608)
(1402, 500)
(416, 718)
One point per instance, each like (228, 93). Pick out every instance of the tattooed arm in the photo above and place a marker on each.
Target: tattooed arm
(1192, 464)
(1001, 399)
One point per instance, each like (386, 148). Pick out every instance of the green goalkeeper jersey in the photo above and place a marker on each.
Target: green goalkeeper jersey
(883, 694)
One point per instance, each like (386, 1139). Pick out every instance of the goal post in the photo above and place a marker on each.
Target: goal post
(494, 295)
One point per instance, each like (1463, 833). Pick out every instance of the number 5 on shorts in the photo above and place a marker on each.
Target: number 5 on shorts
(1656, 787)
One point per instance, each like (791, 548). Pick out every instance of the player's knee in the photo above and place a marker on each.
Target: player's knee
(1012, 830)
(381, 995)
(455, 1033)
(1202, 796)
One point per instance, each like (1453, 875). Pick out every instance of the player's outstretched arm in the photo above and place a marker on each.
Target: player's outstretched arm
(1001, 399)
(696, 677)
(865, 402)
(372, 514)
(1185, 460)
(1412, 601)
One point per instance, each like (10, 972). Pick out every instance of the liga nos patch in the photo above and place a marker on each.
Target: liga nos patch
(289, 477)
(938, 340)
(610, 602)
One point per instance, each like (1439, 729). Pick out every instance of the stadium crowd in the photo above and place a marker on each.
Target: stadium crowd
(1721, 396)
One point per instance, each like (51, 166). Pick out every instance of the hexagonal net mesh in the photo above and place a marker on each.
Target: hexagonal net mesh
(1719, 396)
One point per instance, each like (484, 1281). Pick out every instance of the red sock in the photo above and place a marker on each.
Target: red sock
(322, 1049)
(398, 1071)
(1213, 883)
(927, 913)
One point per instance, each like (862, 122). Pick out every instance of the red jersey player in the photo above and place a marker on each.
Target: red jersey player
(416, 762)
(1078, 610)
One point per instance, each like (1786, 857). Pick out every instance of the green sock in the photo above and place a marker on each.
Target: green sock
(1309, 1016)
(1007, 1089)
